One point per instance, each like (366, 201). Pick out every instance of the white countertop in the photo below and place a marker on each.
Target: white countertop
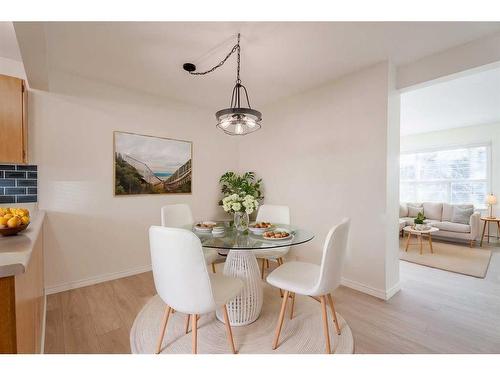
(15, 251)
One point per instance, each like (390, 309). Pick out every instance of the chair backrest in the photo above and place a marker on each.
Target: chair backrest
(274, 214)
(176, 215)
(332, 262)
(179, 271)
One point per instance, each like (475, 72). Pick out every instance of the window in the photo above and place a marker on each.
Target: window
(458, 175)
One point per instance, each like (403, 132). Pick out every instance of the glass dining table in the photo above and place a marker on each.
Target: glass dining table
(242, 263)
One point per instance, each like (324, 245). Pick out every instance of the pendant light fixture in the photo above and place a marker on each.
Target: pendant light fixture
(237, 119)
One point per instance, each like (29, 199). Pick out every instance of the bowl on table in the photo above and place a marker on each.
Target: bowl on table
(259, 228)
(279, 234)
(218, 230)
(205, 226)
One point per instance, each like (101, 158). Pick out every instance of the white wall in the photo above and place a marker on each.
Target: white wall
(456, 61)
(459, 137)
(325, 154)
(90, 235)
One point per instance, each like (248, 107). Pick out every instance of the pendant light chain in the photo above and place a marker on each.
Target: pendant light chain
(233, 50)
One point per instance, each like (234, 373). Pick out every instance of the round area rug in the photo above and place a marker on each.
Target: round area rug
(302, 334)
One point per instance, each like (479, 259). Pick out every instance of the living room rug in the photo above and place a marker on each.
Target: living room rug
(302, 334)
(449, 257)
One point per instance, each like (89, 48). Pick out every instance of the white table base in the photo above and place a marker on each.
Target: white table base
(245, 308)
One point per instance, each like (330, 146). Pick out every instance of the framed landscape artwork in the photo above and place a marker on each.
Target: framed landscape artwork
(145, 164)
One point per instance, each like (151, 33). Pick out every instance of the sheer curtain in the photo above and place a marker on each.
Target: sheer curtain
(452, 175)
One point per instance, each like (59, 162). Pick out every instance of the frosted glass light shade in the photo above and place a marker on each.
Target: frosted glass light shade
(491, 199)
(238, 121)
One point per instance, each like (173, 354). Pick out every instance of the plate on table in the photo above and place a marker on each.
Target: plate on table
(205, 226)
(260, 227)
(278, 234)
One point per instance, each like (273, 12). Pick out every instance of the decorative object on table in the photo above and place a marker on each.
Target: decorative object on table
(491, 200)
(241, 196)
(238, 119)
(419, 221)
(205, 226)
(218, 231)
(278, 234)
(151, 165)
(259, 228)
(13, 220)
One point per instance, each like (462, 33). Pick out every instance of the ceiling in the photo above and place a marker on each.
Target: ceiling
(279, 59)
(8, 43)
(466, 101)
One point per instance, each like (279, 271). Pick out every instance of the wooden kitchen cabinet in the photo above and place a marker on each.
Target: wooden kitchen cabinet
(22, 295)
(13, 120)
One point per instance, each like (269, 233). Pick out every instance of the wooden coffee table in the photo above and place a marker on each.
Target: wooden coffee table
(419, 233)
(487, 221)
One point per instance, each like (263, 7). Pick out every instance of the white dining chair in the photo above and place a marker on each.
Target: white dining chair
(317, 281)
(183, 282)
(178, 216)
(276, 215)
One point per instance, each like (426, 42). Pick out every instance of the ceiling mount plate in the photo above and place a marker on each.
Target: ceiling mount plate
(188, 67)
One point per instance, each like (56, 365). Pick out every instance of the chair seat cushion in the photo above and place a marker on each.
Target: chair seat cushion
(452, 227)
(224, 288)
(297, 277)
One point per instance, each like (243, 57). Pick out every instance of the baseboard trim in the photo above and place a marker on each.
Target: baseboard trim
(96, 279)
(379, 293)
(392, 291)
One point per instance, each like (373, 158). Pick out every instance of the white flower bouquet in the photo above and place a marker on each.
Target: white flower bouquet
(236, 203)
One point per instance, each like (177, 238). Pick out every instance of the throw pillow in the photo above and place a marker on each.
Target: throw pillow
(462, 215)
(403, 210)
(413, 210)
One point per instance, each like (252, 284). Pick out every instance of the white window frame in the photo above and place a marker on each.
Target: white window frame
(456, 147)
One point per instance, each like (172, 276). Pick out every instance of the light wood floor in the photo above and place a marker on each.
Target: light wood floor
(435, 312)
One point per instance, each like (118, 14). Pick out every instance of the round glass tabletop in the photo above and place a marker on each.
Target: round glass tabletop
(231, 239)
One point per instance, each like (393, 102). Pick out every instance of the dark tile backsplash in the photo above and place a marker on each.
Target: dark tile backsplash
(18, 183)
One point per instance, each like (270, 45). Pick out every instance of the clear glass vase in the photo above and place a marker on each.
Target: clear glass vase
(241, 221)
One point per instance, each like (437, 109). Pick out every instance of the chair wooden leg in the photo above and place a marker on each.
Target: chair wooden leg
(263, 266)
(325, 324)
(229, 332)
(334, 314)
(194, 333)
(213, 267)
(293, 304)
(162, 329)
(186, 329)
(280, 262)
(267, 263)
(280, 320)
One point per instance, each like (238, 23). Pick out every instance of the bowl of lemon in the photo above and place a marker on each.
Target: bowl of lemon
(13, 220)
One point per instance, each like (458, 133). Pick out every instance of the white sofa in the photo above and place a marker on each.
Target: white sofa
(440, 215)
